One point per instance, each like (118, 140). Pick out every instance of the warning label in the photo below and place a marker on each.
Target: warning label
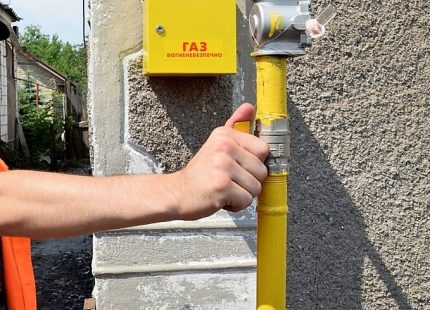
(194, 55)
(194, 49)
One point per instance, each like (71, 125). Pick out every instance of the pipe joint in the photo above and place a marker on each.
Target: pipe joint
(272, 210)
(277, 135)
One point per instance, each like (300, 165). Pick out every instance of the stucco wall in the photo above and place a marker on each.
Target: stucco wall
(359, 189)
(359, 223)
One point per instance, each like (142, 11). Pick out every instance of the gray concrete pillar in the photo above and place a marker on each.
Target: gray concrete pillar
(154, 125)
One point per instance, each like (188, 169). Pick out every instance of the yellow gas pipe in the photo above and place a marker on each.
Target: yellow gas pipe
(279, 29)
(272, 202)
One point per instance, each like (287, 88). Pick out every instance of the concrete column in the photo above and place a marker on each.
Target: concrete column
(154, 125)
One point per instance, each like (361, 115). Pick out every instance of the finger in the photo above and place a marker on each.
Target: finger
(249, 142)
(245, 180)
(233, 208)
(228, 151)
(252, 144)
(246, 112)
(251, 164)
(254, 167)
(239, 199)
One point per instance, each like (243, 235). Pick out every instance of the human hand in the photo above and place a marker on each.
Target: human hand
(226, 173)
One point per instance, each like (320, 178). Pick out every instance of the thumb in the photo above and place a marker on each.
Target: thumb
(246, 112)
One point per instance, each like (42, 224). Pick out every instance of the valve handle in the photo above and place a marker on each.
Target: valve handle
(315, 27)
(244, 127)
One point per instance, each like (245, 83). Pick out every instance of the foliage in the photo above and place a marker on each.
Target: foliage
(41, 123)
(13, 157)
(71, 60)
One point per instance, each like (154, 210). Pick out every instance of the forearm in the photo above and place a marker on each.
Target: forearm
(227, 172)
(44, 205)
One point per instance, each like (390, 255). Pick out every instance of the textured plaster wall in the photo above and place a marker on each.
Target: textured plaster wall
(359, 189)
(170, 118)
(359, 225)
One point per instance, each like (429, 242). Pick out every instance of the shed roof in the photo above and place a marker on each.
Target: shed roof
(10, 12)
(35, 60)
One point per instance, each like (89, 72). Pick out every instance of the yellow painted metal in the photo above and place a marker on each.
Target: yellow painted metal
(271, 88)
(272, 203)
(276, 22)
(193, 37)
(244, 127)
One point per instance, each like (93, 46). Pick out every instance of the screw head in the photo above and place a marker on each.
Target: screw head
(160, 29)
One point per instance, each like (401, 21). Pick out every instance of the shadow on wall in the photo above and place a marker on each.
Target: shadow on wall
(328, 243)
(194, 105)
(178, 114)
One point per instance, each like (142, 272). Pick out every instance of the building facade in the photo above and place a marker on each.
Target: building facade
(8, 94)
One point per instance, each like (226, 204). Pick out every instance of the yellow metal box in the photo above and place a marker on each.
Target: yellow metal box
(189, 37)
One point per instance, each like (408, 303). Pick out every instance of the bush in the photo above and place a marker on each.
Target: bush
(43, 125)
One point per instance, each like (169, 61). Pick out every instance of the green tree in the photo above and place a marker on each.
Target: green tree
(71, 60)
(43, 124)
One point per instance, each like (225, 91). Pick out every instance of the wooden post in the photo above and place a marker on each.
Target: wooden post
(53, 148)
(21, 138)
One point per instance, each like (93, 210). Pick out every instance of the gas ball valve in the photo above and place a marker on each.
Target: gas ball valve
(279, 27)
(285, 27)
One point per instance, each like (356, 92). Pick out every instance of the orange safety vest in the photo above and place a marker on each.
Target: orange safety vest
(18, 271)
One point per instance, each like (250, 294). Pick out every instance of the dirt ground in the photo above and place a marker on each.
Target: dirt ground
(63, 272)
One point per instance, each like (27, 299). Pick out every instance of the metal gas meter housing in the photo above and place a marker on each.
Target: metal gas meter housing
(278, 27)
